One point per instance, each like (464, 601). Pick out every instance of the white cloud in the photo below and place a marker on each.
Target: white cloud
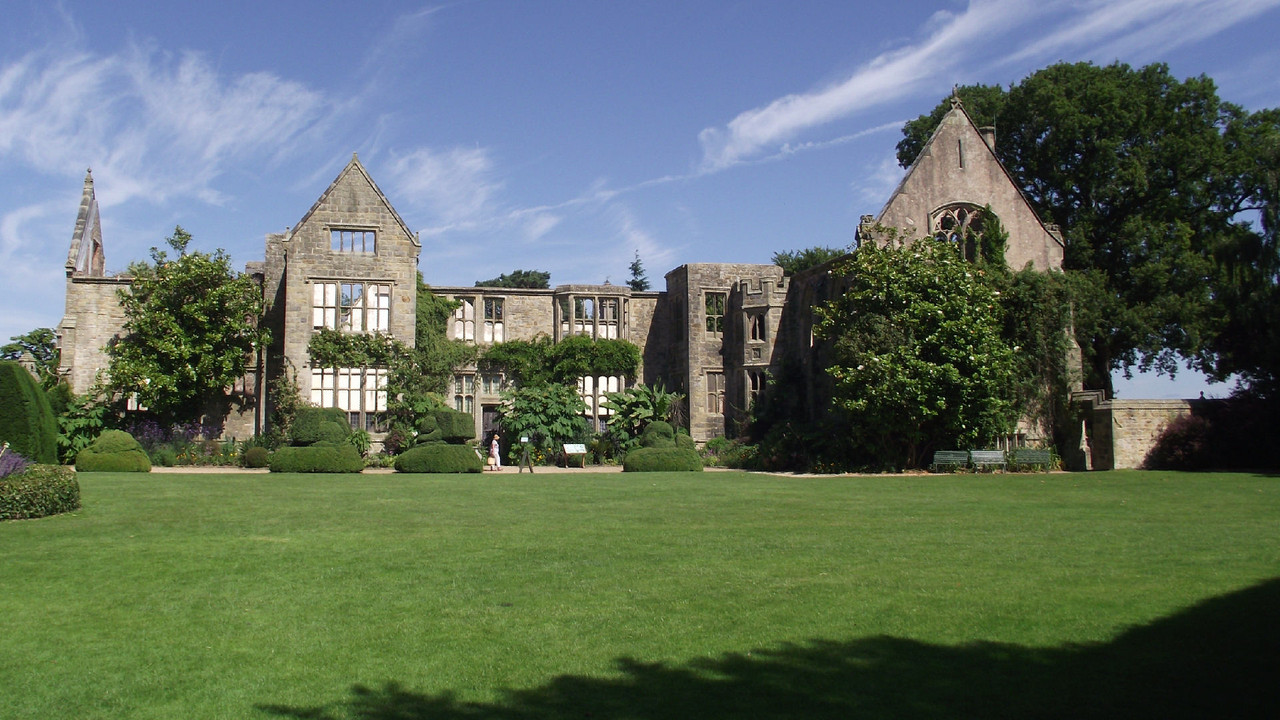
(885, 79)
(456, 185)
(150, 124)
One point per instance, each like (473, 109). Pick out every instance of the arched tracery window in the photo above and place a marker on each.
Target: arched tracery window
(958, 223)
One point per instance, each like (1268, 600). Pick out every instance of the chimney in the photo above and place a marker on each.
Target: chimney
(988, 133)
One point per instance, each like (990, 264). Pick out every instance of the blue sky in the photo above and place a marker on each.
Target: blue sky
(559, 136)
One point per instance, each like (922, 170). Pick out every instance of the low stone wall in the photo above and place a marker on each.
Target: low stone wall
(1124, 431)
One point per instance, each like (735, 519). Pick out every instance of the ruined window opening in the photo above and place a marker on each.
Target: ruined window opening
(352, 240)
(755, 385)
(715, 303)
(958, 223)
(594, 391)
(351, 307)
(464, 319)
(491, 384)
(494, 328)
(756, 326)
(584, 316)
(608, 322)
(715, 392)
(359, 392)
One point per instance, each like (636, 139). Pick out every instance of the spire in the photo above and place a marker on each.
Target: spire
(85, 257)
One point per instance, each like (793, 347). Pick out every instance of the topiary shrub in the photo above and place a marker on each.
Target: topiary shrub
(256, 457)
(662, 459)
(308, 423)
(455, 427)
(318, 458)
(685, 442)
(428, 430)
(26, 420)
(332, 432)
(40, 491)
(113, 451)
(439, 458)
(658, 433)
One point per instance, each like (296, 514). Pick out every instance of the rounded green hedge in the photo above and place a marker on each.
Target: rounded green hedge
(662, 459)
(40, 491)
(257, 457)
(657, 434)
(307, 425)
(439, 458)
(320, 458)
(26, 420)
(113, 451)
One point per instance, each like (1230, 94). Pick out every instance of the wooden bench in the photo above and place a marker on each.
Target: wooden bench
(987, 458)
(954, 458)
(575, 452)
(1030, 457)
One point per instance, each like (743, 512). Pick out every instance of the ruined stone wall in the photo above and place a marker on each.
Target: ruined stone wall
(93, 318)
(1124, 431)
(957, 166)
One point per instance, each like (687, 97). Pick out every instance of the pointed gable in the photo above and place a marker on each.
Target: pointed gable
(86, 257)
(958, 172)
(355, 199)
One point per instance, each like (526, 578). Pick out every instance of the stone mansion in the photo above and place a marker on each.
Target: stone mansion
(715, 332)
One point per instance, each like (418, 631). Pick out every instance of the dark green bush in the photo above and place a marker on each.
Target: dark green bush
(26, 420)
(41, 491)
(256, 457)
(306, 428)
(685, 442)
(439, 458)
(320, 458)
(662, 459)
(164, 456)
(113, 451)
(658, 434)
(333, 432)
(455, 427)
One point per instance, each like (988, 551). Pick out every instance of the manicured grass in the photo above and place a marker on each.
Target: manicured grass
(714, 595)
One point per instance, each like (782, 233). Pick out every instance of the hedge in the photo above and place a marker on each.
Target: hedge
(320, 458)
(308, 423)
(41, 491)
(26, 420)
(113, 451)
(657, 434)
(257, 457)
(662, 459)
(439, 458)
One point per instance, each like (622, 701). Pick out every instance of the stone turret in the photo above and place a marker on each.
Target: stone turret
(85, 258)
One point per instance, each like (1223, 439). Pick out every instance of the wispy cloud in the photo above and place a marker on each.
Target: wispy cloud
(457, 186)
(968, 43)
(150, 123)
(885, 79)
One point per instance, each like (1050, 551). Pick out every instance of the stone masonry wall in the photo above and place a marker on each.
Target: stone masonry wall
(92, 320)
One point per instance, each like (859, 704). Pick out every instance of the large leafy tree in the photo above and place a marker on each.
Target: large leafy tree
(797, 261)
(1135, 167)
(919, 362)
(191, 329)
(536, 279)
(42, 343)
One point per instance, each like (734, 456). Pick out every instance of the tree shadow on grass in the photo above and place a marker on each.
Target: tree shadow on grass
(1219, 659)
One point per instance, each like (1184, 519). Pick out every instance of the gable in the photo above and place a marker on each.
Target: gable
(353, 202)
(957, 169)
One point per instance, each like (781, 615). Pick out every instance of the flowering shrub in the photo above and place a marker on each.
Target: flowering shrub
(11, 463)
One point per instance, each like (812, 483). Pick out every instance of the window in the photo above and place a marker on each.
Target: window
(351, 307)
(493, 325)
(595, 391)
(464, 393)
(755, 326)
(464, 319)
(715, 303)
(715, 393)
(351, 240)
(490, 384)
(960, 224)
(608, 322)
(359, 392)
(584, 316)
(755, 385)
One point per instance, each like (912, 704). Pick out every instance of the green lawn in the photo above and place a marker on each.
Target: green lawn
(715, 595)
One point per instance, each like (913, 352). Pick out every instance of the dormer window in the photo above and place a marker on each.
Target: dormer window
(353, 240)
